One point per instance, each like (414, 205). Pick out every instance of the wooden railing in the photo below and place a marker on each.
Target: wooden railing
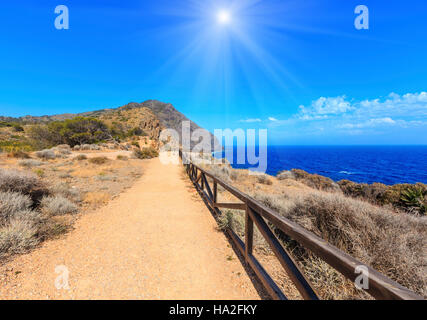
(380, 287)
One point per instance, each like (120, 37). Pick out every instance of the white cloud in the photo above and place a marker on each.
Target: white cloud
(403, 110)
(272, 119)
(250, 120)
(409, 105)
(323, 107)
(371, 123)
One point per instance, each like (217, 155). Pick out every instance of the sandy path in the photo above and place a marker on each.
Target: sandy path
(156, 241)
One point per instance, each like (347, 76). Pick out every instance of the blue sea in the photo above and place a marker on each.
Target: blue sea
(386, 164)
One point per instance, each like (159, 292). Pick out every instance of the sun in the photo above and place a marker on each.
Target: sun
(224, 17)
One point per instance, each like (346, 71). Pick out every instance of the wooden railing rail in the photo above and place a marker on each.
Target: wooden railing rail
(380, 287)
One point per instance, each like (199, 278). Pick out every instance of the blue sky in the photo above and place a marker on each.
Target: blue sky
(298, 68)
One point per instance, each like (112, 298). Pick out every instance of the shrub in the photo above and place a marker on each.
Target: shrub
(97, 198)
(19, 155)
(136, 132)
(414, 198)
(15, 145)
(57, 205)
(283, 175)
(122, 157)
(63, 147)
(62, 151)
(315, 181)
(29, 163)
(146, 153)
(39, 172)
(407, 197)
(76, 131)
(46, 154)
(220, 171)
(81, 157)
(392, 243)
(17, 237)
(234, 174)
(99, 160)
(63, 189)
(18, 181)
(11, 203)
(264, 179)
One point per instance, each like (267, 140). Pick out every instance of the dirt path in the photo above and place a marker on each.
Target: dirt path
(156, 241)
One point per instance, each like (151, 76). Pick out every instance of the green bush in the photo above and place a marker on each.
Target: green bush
(136, 132)
(77, 131)
(408, 197)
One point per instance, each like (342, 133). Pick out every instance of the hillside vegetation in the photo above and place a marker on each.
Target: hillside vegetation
(106, 125)
(390, 234)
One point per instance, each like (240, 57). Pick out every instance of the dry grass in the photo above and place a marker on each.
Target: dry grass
(392, 243)
(97, 198)
(99, 160)
(315, 181)
(122, 157)
(19, 154)
(18, 181)
(17, 237)
(57, 205)
(388, 240)
(81, 157)
(264, 179)
(46, 154)
(29, 163)
(11, 203)
(145, 153)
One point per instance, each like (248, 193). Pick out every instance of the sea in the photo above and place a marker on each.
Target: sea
(364, 164)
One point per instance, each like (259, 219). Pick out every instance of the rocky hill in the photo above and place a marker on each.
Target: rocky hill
(151, 116)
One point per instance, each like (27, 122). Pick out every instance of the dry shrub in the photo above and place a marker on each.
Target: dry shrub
(63, 189)
(18, 181)
(46, 154)
(39, 172)
(61, 152)
(408, 197)
(63, 147)
(221, 172)
(19, 155)
(283, 175)
(122, 157)
(392, 243)
(263, 179)
(315, 181)
(81, 157)
(235, 220)
(99, 160)
(97, 198)
(12, 202)
(146, 153)
(29, 163)
(57, 205)
(17, 237)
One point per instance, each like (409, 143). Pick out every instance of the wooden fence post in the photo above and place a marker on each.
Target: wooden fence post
(249, 235)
